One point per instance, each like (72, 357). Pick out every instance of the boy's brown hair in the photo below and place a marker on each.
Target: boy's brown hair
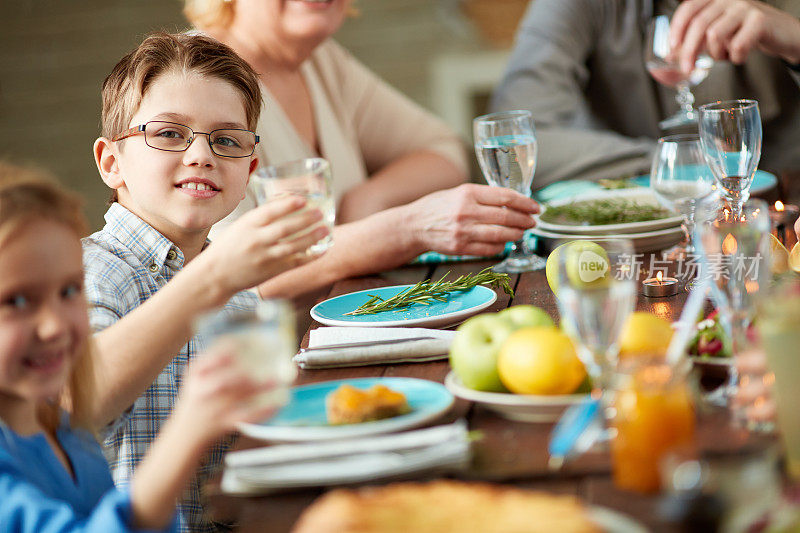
(161, 52)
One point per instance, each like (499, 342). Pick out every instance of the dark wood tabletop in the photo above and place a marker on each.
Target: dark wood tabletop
(509, 452)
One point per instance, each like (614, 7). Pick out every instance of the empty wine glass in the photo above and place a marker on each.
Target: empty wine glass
(736, 258)
(666, 71)
(596, 293)
(730, 133)
(680, 179)
(505, 144)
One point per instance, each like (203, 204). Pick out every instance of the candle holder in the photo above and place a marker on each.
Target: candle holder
(659, 287)
(782, 216)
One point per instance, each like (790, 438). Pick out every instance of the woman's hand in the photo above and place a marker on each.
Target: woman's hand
(470, 219)
(731, 29)
(255, 247)
(217, 395)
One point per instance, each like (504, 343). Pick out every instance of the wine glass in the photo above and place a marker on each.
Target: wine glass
(680, 179)
(736, 258)
(505, 144)
(666, 71)
(309, 178)
(596, 293)
(730, 133)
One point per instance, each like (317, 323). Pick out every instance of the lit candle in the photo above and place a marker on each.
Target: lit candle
(782, 216)
(659, 286)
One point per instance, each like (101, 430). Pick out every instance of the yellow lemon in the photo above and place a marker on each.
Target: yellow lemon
(644, 334)
(794, 258)
(780, 255)
(540, 360)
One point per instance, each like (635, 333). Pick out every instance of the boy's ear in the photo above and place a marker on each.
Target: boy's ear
(253, 167)
(107, 161)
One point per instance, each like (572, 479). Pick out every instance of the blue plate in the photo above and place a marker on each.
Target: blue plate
(762, 181)
(459, 305)
(304, 418)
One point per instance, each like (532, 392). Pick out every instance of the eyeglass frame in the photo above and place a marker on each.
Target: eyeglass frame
(140, 129)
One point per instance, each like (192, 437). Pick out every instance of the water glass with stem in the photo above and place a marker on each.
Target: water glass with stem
(730, 133)
(596, 294)
(680, 179)
(505, 145)
(666, 71)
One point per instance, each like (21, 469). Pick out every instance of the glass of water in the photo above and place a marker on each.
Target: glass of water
(596, 294)
(309, 178)
(263, 342)
(730, 133)
(680, 179)
(505, 144)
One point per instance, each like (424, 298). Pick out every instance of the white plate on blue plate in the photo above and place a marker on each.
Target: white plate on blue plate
(459, 305)
(304, 419)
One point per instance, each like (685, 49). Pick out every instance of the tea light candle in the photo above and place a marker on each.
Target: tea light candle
(782, 216)
(659, 286)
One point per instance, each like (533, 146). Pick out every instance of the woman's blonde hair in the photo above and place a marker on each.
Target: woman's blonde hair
(209, 14)
(28, 194)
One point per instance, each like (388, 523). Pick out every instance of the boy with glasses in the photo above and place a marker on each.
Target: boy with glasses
(177, 150)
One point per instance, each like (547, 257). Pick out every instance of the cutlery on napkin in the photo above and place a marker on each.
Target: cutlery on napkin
(333, 347)
(347, 461)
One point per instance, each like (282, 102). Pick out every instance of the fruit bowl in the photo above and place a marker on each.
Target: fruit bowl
(518, 407)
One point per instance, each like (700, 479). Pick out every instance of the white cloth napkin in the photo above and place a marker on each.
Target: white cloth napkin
(440, 448)
(434, 347)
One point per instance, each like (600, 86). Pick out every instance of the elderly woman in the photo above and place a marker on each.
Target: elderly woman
(398, 171)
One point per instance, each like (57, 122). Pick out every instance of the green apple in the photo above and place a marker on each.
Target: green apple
(586, 263)
(522, 316)
(473, 354)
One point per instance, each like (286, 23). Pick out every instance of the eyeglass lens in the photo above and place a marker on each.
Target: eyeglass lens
(176, 138)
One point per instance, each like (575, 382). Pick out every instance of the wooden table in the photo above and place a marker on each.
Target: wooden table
(510, 452)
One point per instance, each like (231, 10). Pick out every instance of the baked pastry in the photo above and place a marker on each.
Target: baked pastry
(444, 506)
(349, 405)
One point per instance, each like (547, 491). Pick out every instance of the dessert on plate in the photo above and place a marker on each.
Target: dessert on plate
(350, 405)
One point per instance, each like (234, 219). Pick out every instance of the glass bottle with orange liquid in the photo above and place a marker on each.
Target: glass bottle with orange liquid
(652, 414)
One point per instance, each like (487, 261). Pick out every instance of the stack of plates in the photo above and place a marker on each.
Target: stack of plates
(649, 236)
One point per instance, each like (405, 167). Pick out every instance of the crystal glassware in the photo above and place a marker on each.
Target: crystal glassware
(730, 133)
(680, 179)
(505, 145)
(309, 178)
(666, 71)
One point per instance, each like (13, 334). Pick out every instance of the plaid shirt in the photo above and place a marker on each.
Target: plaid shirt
(125, 263)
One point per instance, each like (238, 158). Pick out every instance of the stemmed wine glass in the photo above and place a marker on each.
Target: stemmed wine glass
(666, 71)
(736, 258)
(505, 144)
(596, 293)
(680, 179)
(730, 133)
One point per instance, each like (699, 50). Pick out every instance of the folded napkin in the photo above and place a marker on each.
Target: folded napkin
(333, 347)
(440, 448)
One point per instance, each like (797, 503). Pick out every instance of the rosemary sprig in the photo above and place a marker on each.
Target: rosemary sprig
(426, 291)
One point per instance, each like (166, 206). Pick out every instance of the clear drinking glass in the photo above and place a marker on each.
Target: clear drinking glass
(667, 72)
(309, 178)
(730, 133)
(736, 258)
(263, 341)
(596, 293)
(680, 179)
(505, 144)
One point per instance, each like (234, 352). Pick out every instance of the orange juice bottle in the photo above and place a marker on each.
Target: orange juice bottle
(653, 414)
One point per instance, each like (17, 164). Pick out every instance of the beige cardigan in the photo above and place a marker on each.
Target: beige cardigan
(361, 122)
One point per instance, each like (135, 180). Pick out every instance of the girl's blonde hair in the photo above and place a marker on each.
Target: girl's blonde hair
(28, 194)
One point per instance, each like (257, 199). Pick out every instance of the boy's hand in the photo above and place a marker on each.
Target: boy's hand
(470, 219)
(255, 247)
(217, 395)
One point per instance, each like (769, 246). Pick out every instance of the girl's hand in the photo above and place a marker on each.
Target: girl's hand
(218, 394)
(255, 247)
(470, 219)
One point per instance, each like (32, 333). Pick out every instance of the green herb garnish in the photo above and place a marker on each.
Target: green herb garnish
(426, 291)
(602, 212)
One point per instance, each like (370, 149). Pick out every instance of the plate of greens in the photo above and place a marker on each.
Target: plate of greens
(611, 212)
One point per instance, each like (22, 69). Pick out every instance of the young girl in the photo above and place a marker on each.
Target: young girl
(53, 475)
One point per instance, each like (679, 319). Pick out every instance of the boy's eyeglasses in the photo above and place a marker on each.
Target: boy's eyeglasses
(174, 137)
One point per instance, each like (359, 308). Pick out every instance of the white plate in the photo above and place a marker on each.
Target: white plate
(614, 521)
(642, 195)
(520, 407)
(457, 307)
(650, 241)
